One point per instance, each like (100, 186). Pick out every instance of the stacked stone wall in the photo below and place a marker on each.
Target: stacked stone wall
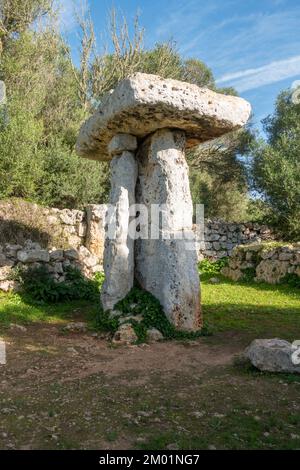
(220, 238)
(34, 235)
(265, 262)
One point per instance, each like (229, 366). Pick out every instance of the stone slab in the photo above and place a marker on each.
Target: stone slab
(144, 103)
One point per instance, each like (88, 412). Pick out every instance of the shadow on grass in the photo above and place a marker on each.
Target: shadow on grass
(244, 367)
(23, 310)
(264, 321)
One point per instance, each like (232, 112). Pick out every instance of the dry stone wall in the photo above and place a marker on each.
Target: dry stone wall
(59, 239)
(21, 221)
(34, 235)
(267, 262)
(56, 261)
(220, 238)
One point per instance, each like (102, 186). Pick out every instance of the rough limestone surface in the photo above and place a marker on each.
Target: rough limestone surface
(142, 104)
(269, 262)
(272, 271)
(165, 267)
(121, 142)
(220, 237)
(34, 256)
(125, 335)
(7, 286)
(119, 246)
(95, 215)
(154, 335)
(272, 355)
(56, 262)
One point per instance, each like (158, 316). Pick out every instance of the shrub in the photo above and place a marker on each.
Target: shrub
(291, 279)
(248, 274)
(140, 302)
(212, 267)
(40, 286)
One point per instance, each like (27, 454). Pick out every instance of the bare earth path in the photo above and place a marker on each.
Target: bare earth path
(61, 391)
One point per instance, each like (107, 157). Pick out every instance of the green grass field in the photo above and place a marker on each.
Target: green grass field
(257, 308)
(226, 306)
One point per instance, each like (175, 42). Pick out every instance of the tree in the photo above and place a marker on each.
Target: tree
(37, 160)
(219, 178)
(276, 166)
(196, 72)
(49, 97)
(16, 16)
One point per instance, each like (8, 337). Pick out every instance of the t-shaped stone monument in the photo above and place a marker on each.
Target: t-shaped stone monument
(144, 127)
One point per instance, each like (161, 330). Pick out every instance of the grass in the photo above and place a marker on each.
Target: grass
(17, 309)
(226, 306)
(257, 308)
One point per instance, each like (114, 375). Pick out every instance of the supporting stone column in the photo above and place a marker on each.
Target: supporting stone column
(167, 267)
(119, 247)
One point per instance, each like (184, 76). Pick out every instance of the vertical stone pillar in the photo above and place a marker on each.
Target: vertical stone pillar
(119, 247)
(167, 267)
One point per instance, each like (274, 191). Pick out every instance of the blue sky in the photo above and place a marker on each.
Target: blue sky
(253, 45)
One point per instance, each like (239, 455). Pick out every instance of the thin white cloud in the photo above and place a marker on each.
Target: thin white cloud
(229, 38)
(66, 13)
(183, 17)
(273, 72)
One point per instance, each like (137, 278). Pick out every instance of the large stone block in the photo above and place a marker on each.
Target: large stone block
(122, 142)
(271, 271)
(142, 104)
(273, 355)
(167, 267)
(33, 256)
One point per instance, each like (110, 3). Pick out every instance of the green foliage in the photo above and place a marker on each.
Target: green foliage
(212, 267)
(218, 176)
(140, 302)
(276, 167)
(103, 321)
(40, 286)
(162, 60)
(292, 280)
(69, 181)
(37, 159)
(196, 72)
(227, 200)
(49, 97)
(258, 211)
(249, 274)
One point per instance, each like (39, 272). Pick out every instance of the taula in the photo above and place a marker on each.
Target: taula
(144, 127)
(142, 104)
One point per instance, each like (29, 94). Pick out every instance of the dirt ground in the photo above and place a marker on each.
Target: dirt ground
(74, 391)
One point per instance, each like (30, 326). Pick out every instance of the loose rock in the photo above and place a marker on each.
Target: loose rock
(154, 335)
(272, 355)
(125, 335)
